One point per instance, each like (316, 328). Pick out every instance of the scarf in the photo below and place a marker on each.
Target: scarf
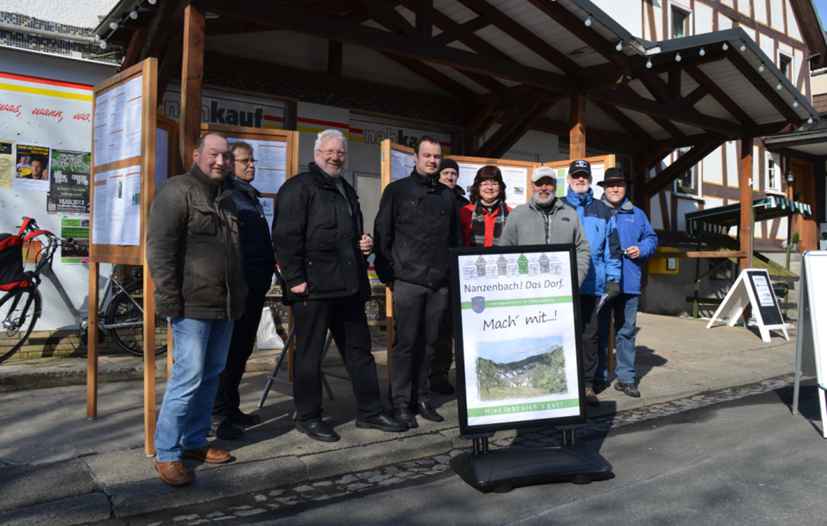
(500, 212)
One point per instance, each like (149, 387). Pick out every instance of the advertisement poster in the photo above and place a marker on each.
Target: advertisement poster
(6, 164)
(32, 168)
(117, 218)
(76, 228)
(519, 337)
(69, 188)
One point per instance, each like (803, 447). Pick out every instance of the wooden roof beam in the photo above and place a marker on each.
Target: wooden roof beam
(295, 19)
(720, 95)
(624, 121)
(763, 87)
(684, 163)
(523, 35)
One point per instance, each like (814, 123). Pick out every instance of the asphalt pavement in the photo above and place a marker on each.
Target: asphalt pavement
(747, 461)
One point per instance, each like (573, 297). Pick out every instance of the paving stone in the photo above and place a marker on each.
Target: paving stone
(248, 513)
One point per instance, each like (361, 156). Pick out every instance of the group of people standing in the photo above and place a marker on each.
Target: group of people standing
(212, 257)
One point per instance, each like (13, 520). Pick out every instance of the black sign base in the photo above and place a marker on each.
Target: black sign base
(502, 470)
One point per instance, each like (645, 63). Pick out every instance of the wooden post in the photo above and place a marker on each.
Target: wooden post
(577, 131)
(192, 78)
(92, 343)
(805, 190)
(745, 230)
(149, 364)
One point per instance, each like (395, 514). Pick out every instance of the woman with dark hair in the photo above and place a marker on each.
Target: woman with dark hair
(483, 219)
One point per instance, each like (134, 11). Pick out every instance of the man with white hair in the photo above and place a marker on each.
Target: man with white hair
(321, 251)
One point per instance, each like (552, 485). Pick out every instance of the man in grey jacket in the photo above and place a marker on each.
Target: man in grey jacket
(546, 220)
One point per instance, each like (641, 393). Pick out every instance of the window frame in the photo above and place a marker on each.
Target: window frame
(695, 171)
(687, 20)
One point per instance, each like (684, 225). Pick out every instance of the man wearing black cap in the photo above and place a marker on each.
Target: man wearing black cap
(638, 242)
(604, 271)
(448, 175)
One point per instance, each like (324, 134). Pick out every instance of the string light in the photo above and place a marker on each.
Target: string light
(649, 64)
(102, 44)
(113, 26)
(153, 2)
(619, 46)
(795, 104)
(725, 46)
(702, 52)
(588, 21)
(743, 48)
(761, 68)
(678, 57)
(810, 120)
(778, 86)
(133, 15)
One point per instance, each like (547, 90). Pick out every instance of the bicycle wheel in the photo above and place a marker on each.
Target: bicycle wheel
(124, 321)
(19, 311)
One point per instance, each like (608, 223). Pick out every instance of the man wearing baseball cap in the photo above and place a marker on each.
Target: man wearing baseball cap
(546, 220)
(638, 242)
(604, 271)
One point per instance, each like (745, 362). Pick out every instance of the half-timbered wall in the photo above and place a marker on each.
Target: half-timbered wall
(773, 25)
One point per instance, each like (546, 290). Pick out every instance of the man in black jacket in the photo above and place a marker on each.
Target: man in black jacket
(258, 263)
(321, 252)
(194, 259)
(417, 222)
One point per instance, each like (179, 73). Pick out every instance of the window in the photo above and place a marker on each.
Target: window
(785, 65)
(773, 174)
(680, 22)
(687, 184)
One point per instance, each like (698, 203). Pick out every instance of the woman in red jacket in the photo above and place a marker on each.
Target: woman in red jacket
(484, 218)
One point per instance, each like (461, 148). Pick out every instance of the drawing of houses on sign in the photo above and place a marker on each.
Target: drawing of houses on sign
(545, 265)
(522, 264)
(502, 266)
(480, 266)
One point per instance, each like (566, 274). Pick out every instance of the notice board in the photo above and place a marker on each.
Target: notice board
(516, 175)
(516, 327)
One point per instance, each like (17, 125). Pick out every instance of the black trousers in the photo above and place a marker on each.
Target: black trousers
(418, 313)
(444, 347)
(346, 319)
(243, 341)
(590, 338)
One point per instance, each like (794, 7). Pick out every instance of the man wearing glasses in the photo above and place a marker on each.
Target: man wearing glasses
(322, 254)
(258, 263)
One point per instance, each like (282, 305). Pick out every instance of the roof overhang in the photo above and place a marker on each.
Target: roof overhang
(808, 143)
(512, 66)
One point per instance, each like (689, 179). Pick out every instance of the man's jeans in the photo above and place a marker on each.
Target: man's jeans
(200, 348)
(624, 308)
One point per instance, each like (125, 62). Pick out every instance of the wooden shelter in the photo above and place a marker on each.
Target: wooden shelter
(497, 68)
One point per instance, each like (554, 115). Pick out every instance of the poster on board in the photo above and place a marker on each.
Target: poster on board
(118, 124)
(117, 218)
(753, 288)
(402, 164)
(514, 177)
(517, 341)
(271, 163)
(31, 168)
(69, 184)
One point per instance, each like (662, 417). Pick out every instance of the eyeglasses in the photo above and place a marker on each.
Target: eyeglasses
(337, 153)
(246, 161)
(490, 184)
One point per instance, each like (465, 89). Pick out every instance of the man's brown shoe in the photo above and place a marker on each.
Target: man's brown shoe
(174, 473)
(210, 455)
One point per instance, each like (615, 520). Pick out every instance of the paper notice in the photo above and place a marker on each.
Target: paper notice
(516, 179)
(118, 125)
(117, 212)
(32, 168)
(271, 164)
(762, 287)
(268, 207)
(6, 164)
(467, 172)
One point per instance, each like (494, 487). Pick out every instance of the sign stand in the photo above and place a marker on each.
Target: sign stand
(517, 319)
(122, 188)
(808, 344)
(753, 287)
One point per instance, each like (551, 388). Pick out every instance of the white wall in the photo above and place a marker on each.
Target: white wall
(626, 13)
(67, 134)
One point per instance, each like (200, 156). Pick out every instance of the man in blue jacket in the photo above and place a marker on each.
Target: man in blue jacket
(638, 242)
(604, 272)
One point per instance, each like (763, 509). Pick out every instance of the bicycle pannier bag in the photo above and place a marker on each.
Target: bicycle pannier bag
(11, 262)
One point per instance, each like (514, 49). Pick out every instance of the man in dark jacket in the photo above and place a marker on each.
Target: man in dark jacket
(444, 347)
(194, 260)
(321, 252)
(417, 223)
(258, 263)
(638, 243)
